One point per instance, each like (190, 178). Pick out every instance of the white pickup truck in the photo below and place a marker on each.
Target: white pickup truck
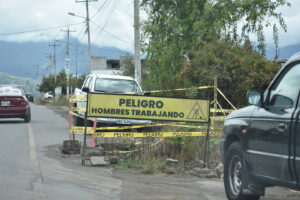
(108, 84)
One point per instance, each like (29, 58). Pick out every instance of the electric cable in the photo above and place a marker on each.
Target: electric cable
(99, 10)
(38, 30)
(107, 19)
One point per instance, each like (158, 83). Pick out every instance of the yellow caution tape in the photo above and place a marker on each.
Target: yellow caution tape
(181, 89)
(221, 110)
(77, 100)
(145, 126)
(221, 118)
(89, 131)
(77, 115)
(154, 91)
(152, 134)
(76, 109)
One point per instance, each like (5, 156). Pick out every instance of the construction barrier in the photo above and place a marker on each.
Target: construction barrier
(94, 130)
(186, 112)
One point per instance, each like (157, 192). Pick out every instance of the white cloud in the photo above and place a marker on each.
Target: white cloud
(291, 16)
(17, 16)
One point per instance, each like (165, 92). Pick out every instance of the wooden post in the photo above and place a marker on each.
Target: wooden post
(70, 118)
(215, 99)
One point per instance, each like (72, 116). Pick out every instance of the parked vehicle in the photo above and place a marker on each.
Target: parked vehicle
(13, 103)
(30, 97)
(48, 95)
(261, 143)
(108, 84)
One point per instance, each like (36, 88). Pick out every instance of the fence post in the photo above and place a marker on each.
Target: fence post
(94, 130)
(70, 117)
(215, 99)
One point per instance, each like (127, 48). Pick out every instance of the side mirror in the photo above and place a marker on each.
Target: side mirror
(255, 97)
(85, 89)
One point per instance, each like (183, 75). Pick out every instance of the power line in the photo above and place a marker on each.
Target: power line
(108, 18)
(116, 37)
(88, 30)
(82, 46)
(38, 30)
(98, 11)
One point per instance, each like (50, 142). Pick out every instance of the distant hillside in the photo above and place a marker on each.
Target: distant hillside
(18, 59)
(284, 52)
(29, 84)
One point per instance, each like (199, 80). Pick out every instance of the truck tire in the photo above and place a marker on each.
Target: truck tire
(233, 173)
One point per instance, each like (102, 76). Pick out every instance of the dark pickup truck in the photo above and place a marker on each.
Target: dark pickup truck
(261, 143)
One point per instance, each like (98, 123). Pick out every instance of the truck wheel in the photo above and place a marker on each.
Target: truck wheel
(233, 173)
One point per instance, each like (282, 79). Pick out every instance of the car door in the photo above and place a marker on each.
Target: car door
(269, 134)
(295, 160)
(83, 104)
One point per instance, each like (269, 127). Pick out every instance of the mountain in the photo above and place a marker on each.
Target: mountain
(30, 85)
(20, 58)
(284, 52)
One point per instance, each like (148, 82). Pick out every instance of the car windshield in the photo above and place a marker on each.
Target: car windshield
(116, 85)
(10, 91)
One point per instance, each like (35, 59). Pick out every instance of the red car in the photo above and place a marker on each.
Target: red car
(13, 103)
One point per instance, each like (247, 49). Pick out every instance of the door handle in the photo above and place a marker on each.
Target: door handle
(282, 127)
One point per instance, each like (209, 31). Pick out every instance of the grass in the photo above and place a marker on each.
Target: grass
(185, 149)
(61, 101)
(145, 166)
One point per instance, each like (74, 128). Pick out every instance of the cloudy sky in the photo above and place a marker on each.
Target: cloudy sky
(111, 21)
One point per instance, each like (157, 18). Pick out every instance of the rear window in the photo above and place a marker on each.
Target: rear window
(116, 85)
(10, 91)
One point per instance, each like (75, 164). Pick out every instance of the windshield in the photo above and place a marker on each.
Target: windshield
(116, 85)
(10, 91)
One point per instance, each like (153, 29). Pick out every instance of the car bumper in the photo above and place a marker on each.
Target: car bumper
(13, 111)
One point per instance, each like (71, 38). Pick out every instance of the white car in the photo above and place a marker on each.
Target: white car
(99, 83)
(48, 95)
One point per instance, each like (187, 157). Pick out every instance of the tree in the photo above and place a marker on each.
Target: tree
(176, 31)
(47, 84)
(238, 67)
(127, 66)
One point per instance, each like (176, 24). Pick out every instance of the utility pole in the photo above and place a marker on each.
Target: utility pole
(88, 27)
(215, 98)
(137, 45)
(68, 59)
(37, 71)
(76, 49)
(48, 55)
(54, 45)
(50, 64)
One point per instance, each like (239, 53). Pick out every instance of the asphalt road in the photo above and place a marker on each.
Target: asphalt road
(32, 168)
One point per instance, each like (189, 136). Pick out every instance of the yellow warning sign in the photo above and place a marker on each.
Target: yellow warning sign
(149, 108)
